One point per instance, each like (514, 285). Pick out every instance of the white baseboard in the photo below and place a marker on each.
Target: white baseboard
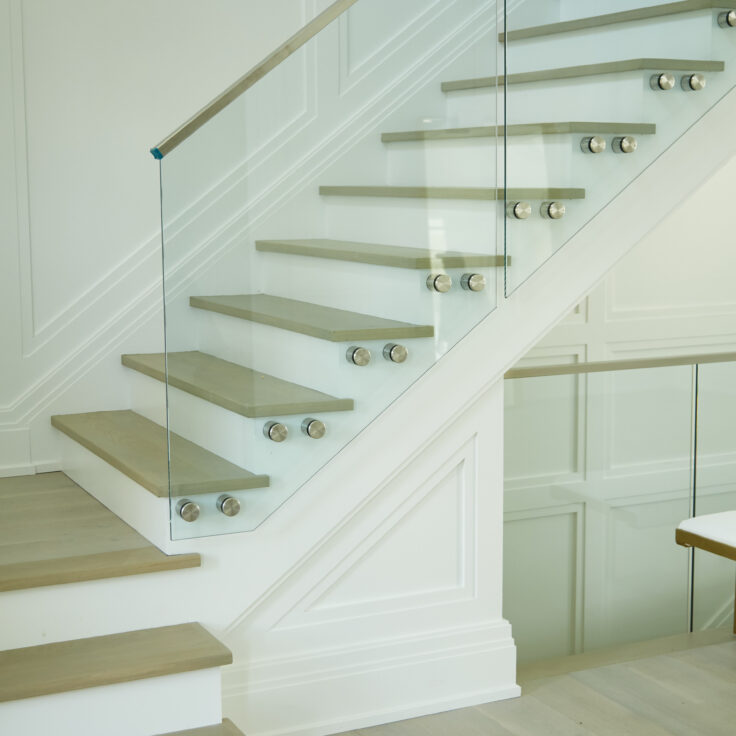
(371, 690)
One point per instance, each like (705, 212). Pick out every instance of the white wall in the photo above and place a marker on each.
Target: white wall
(87, 89)
(599, 467)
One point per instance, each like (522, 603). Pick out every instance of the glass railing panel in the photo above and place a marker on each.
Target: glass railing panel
(577, 138)
(598, 475)
(314, 222)
(713, 590)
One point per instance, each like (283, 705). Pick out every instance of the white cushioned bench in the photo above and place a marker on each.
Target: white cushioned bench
(715, 533)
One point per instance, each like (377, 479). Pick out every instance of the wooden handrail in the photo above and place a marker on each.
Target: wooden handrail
(571, 369)
(245, 82)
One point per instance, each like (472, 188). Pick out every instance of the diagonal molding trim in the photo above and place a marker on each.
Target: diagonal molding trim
(130, 295)
(433, 463)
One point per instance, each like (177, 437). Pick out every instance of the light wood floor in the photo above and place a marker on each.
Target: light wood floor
(52, 532)
(690, 692)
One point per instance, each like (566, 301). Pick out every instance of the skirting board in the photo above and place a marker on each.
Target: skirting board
(373, 694)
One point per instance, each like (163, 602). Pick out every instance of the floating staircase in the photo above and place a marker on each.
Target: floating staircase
(334, 308)
(251, 367)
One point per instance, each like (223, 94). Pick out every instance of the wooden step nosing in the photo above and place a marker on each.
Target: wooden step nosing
(406, 261)
(157, 481)
(86, 663)
(478, 193)
(98, 566)
(586, 70)
(251, 411)
(160, 491)
(608, 19)
(396, 331)
(519, 129)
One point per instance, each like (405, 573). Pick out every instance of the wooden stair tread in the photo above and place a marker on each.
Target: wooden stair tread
(379, 255)
(493, 131)
(235, 387)
(53, 532)
(336, 325)
(474, 193)
(137, 447)
(107, 660)
(587, 70)
(625, 16)
(226, 728)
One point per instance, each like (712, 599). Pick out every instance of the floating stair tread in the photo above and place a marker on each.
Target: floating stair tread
(336, 325)
(107, 660)
(226, 728)
(493, 131)
(235, 387)
(137, 447)
(625, 16)
(587, 70)
(53, 532)
(477, 193)
(379, 255)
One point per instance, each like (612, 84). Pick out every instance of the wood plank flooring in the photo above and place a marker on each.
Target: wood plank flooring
(226, 728)
(690, 692)
(52, 531)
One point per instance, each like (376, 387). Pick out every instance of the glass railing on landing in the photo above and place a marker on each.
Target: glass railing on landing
(325, 243)
(602, 462)
(595, 93)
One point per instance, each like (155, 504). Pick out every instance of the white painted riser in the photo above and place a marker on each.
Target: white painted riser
(683, 36)
(141, 708)
(532, 161)
(135, 505)
(439, 224)
(391, 293)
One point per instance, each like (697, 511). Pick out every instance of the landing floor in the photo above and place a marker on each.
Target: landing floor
(680, 692)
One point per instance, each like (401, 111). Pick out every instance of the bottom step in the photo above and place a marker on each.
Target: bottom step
(226, 728)
(85, 687)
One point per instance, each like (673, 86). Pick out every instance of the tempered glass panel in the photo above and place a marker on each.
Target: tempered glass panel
(598, 475)
(296, 230)
(556, 118)
(713, 593)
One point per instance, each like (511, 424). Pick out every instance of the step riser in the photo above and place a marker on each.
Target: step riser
(459, 225)
(142, 708)
(241, 440)
(543, 160)
(323, 365)
(135, 505)
(396, 294)
(309, 361)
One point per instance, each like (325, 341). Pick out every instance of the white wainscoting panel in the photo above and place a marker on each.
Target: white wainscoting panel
(394, 607)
